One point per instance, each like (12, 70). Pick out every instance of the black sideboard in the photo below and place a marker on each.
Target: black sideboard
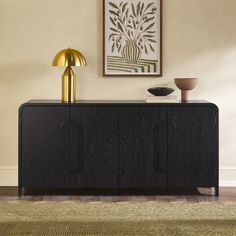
(118, 145)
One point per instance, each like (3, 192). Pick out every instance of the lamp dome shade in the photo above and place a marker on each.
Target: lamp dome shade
(69, 57)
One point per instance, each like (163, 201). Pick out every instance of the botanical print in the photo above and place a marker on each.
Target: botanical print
(132, 37)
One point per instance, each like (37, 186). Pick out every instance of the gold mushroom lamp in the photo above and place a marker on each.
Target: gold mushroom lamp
(67, 58)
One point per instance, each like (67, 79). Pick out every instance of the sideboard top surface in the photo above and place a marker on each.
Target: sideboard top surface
(113, 103)
(110, 102)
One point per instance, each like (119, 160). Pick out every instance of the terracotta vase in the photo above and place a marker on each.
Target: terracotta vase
(186, 85)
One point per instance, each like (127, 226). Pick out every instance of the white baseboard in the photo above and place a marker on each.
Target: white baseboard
(228, 177)
(9, 176)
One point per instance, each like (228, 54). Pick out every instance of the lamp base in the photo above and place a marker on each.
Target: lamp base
(68, 86)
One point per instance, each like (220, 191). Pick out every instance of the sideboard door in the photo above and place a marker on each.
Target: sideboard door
(94, 147)
(142, 147)
(192, 146)
(43, 142)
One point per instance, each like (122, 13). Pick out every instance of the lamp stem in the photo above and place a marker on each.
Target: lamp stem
(68, 86)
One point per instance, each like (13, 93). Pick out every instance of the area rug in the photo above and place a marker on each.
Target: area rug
(115, 219)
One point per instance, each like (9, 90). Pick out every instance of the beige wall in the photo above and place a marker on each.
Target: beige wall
(199, 39)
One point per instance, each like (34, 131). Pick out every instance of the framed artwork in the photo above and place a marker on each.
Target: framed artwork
(132, 37)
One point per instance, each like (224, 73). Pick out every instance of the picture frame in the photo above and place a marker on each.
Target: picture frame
(132, 38)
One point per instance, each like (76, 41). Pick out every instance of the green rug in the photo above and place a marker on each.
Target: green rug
(113, 219)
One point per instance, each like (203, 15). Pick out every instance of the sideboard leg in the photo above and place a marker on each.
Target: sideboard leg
(19, 191)
(216, 191)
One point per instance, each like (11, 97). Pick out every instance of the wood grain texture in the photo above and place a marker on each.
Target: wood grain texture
(192, 146)
(142, 147)
(96, 165)
(44, 147)
(120, 147)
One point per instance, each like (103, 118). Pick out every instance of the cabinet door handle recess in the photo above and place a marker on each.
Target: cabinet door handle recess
(73, 133)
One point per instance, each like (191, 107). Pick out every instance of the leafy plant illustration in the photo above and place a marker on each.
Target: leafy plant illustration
(133, 23)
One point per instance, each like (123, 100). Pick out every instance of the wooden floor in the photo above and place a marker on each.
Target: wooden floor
(226, 195)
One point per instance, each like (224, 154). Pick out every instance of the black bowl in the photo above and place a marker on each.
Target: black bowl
(160, 91)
